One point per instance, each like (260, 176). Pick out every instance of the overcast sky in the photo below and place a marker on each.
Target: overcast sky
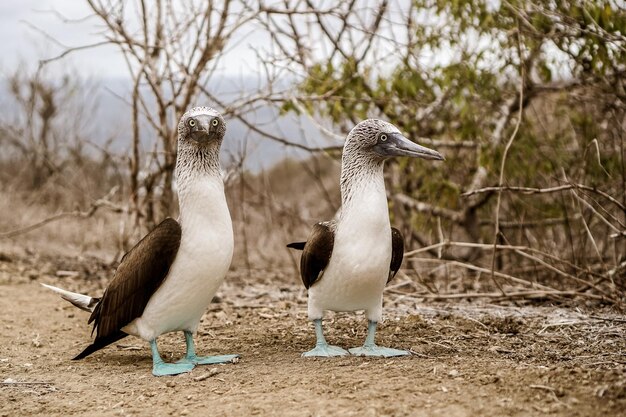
(21, 40)
(22, 43)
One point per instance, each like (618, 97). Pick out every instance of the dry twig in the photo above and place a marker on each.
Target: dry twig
(95, 206)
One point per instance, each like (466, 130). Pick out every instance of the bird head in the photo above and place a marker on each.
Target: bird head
(201, 126)
(382, 140)
(200, 134)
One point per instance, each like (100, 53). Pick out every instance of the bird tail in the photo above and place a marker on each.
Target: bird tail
(296, 245)
(84, 302)
(99, 343)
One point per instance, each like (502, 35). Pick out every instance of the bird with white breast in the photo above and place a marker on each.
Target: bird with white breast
(347, 262)
(166, 282)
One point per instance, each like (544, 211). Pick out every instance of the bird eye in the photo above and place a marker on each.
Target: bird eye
(215, 122)
(192, 122)
(383, 137)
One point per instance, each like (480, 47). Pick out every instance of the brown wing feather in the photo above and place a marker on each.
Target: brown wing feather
(140, 274)
(316, 254)
(397, 252)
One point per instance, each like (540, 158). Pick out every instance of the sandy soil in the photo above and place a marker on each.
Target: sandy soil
(469, 359)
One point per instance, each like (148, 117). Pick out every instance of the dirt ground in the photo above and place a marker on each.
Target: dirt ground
(468, 359)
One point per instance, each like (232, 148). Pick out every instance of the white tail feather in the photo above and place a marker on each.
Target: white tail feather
(84, 302)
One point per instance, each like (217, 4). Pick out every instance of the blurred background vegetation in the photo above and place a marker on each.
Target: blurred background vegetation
(525, 98)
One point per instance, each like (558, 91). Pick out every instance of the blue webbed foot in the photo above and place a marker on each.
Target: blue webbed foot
(325, 350)
(370, 348)
(192, 358)
(322, 348)
(208, 360)
(374, 350)
(163, 369)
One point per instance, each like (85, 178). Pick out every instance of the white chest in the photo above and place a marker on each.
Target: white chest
(362, 245)
(359, 266)
(200, 266)
(363, 236)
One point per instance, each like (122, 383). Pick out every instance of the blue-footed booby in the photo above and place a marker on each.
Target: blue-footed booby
(347, 262)
(166, 282)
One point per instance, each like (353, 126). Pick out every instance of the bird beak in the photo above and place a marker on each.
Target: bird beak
(202, 131)
(398, 145)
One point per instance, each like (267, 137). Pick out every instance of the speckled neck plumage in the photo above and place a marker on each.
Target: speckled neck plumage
(195, 161)
(358, 168)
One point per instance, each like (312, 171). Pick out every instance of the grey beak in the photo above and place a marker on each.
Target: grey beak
(398, 145)
(202, 130)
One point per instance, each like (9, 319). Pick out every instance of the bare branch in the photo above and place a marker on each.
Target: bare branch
(95, 206)
(496, 231)
(422, 207)
(532, 190)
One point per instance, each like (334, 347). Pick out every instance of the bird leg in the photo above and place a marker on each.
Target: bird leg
(192, 358)
(370, 348)
(160, 368)
(322, 348)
